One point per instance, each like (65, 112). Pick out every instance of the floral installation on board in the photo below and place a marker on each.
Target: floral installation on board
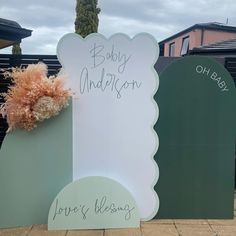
(32, 97)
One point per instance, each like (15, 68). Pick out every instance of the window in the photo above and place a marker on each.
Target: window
(185, 46)
(172, 49)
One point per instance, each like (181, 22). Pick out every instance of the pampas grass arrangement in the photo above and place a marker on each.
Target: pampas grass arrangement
(33, 97)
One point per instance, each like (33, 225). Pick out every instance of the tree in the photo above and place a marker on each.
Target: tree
(16, 49)
(86, 21)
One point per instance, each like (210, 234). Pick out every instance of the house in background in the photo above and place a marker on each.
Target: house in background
(223, 49)
(195, 36)
(11, 32)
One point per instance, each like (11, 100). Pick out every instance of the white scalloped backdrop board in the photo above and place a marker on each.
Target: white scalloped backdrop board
(114, 112)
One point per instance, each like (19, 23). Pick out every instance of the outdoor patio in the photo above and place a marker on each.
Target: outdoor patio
(151, 228)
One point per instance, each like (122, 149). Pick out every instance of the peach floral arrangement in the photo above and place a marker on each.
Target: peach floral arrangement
(33, 97)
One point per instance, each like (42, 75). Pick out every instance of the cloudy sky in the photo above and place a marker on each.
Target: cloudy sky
(51, 19)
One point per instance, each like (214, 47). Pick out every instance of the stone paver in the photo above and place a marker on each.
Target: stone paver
(191, 222)
(222, 222)
(122, 232)
(42, 230)
(195, 230)
(159, 230)
(85, 233)
(20, 231)
(224, 230)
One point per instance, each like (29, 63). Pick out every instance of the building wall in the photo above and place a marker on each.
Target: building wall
(197, 39)
(194, 37)
(211, 36)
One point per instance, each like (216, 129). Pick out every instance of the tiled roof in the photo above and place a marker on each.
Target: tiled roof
(225, 45)
(216, 25)
(12, 27)
(8, 23)
(11, 32)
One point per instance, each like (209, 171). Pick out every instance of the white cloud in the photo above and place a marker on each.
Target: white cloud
(131, 27)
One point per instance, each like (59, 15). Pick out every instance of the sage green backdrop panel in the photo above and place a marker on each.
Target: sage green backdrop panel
(93, 202)
(34, 167)
(196, 130)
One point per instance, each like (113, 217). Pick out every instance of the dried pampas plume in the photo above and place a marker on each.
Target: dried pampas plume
(33, 97)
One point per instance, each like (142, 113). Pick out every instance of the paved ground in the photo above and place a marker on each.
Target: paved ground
(151, 228)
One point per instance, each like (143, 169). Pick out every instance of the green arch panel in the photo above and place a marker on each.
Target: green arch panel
(196, 130)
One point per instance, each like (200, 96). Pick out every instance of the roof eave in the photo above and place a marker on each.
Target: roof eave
(12, 33)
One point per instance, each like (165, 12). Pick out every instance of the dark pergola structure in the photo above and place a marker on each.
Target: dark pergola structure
(11, 32)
